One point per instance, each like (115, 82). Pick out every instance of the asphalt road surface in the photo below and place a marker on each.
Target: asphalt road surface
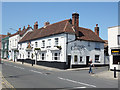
(21, 76)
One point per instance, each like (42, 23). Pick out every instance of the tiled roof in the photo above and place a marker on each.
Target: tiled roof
(22, 32)
(2, 36)
(64, 26)
(89, 35)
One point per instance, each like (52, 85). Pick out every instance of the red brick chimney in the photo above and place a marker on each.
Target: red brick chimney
(36, 25)
(24, 27)
(97, 30)
(75, 19)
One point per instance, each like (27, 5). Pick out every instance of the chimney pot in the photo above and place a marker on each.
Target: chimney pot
(28, 25)
(19, 29)
(36, 25)
(96, 25)
(46, 23)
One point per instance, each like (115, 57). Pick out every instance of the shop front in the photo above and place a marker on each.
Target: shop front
(115, 59)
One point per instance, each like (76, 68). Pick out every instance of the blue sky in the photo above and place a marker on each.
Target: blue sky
(19, 14)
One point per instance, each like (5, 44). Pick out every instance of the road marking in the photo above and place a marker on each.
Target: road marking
(18, 67)
(36, 71)
(79, 87)
(8, 64)
(76, 82)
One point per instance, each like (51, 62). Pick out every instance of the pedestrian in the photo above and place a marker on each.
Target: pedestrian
(90, 65)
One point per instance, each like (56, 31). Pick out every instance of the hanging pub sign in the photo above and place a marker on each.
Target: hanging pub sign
(115, 51)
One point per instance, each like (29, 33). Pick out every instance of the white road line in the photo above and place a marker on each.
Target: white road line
(79, 87)
(18, 67)
(36, 71)
(8, 64)
(76, 82)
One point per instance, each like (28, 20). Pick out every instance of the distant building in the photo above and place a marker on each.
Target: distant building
(5, 49)
(1, 36)
(62, 45)
(13, 42)
(114, 47)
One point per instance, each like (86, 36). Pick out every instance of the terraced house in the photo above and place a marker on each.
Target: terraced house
(62, 45)
(13, 42)
(5, 45)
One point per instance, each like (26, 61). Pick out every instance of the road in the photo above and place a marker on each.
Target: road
(21, 76)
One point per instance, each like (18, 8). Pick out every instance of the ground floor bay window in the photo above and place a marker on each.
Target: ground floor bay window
(56, 56)
(43, 56)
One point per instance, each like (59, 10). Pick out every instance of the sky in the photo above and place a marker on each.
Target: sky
(15, 15)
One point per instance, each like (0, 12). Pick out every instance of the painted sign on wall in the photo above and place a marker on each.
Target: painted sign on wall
(115, 51)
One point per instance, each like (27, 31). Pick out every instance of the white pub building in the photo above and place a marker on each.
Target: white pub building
(62, 45)
(114, 47)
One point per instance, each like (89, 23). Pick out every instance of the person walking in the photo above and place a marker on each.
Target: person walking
(90, 65)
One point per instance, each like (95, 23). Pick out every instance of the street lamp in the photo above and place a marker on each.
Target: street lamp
(36, 50)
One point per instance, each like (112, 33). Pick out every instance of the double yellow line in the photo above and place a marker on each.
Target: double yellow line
(6, 84)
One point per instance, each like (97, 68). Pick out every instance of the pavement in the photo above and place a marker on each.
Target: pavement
(4, 84)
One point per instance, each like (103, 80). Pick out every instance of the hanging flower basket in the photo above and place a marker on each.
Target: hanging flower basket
(16, 50)
(59, 47)
(37, 49)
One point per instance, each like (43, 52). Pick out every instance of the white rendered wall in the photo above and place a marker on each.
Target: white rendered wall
(113, 32)
(86, 51)
(48, 51)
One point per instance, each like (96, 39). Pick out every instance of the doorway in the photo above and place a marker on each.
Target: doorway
(87, 60)
(69, 61)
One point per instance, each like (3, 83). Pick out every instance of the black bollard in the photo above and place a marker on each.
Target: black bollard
(114, 72)
(32, 63)
(108, 67)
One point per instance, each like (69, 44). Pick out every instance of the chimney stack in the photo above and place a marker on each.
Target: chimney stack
(8, 34)
(28, 25)
(46, 23)
(75, 19)
(19, 29)
(97, 30)
(24, 27)
(36, 25)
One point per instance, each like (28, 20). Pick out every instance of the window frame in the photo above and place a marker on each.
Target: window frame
(75, 58)
(56, 56)
(43, 56)
(56, 41)
(43, 44)
(97, 60)
(49, 43)
(81, 59)
(36, 44)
